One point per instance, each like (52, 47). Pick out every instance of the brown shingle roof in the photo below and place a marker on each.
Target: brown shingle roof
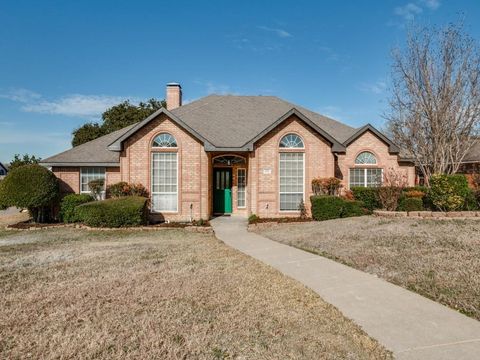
(223, 120)
(94, 151)
(231, 121)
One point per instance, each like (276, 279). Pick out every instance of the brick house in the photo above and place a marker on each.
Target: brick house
(231, 154)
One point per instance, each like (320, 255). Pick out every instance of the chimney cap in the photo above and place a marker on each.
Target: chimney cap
(174, 84)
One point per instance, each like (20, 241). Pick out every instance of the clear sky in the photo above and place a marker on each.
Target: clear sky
(63, 62)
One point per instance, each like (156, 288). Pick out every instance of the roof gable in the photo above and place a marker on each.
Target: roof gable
(336, 146)
(392, 148)
(117, 144)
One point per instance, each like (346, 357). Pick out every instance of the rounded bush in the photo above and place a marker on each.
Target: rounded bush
(32, 187)
(68, 205)
(325, 207)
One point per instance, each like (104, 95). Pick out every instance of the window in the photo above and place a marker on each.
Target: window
(2, 172)
(164, 181)
(291, 180)
(291, 141)
(365, 177)
(164, 140)
(229, 160)
(241, 187)
(88, 174)
(366, 158)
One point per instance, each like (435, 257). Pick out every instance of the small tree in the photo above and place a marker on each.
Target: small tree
(26, 159)
(326, 186)
(303, 210)
(391, 190)
(435, 104)
(32, 187)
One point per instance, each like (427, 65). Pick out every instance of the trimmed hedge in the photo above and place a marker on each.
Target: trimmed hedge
(325, 207)
(121, 212)
(69, 203)
(410, 204)
(367, 195)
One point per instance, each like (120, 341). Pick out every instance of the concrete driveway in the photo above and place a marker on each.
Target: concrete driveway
(11, 216)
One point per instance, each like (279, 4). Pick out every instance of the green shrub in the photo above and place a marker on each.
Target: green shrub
(352, 208)
(367, 195)
(448, 192)
(325, 207)
(69, 203)
(410, 204)
(476, 194)
(471, 201)
(121, 212)
(252, 219)
(31, 187)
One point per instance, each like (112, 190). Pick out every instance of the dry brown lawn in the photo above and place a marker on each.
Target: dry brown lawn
(439, 259)
(168, 294)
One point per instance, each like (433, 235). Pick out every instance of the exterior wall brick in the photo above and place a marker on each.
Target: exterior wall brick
(264, 177)
(369, 142)
(112, 175)
(135, 164)
(69, 179)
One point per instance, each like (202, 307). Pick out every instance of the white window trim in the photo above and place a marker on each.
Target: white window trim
(365, 177)
(245, 189)
(303, 182)
(89, 191)
(157, 193)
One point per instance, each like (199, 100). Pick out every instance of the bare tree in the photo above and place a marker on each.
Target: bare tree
(435, 103)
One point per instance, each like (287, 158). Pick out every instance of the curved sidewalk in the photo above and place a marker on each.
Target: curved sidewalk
(411, 326)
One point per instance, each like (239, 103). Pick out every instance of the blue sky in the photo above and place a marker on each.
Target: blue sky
(63, 62)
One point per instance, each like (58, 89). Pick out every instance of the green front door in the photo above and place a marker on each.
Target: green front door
(222, 191)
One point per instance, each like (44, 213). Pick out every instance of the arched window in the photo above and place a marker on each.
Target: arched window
(365, 158)
(291, 173)
(164, 176)
(164, 140)
(292, 141)
(367, 176)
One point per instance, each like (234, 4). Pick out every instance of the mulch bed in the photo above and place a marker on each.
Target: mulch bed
(28, 225)
(281, 220)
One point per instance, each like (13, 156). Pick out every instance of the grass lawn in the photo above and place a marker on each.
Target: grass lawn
(168, 294)
(437, 259)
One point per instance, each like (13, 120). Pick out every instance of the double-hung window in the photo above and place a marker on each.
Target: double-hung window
(164, 175)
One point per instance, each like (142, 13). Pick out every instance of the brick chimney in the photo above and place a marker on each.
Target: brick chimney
(174, 96)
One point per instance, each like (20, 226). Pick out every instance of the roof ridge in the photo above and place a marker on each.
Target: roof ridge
(179, 109)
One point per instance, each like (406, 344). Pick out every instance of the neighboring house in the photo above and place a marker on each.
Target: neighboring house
(3, 171)
(231, 154)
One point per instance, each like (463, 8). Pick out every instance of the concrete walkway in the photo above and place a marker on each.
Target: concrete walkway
(408, 324)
